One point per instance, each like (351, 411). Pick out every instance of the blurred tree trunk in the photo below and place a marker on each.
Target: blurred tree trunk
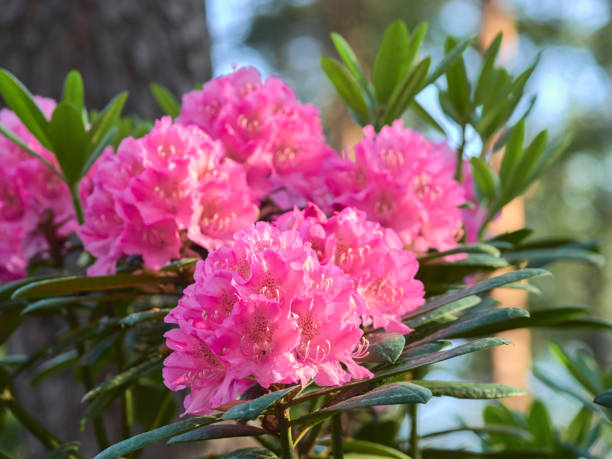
(115, 44)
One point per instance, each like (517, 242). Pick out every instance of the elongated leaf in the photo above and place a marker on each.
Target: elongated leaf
(540, 425)
(391, 60)
(425, 349)
(369, 449)
(152, 363)
(420, 111)
(480, 259)
(404, 92)
(166, 100)
(69, 140)
(349, 58)
(585, 374)
(590, 323)
(142, 316)
(390, 394)
(106, 120)
(457, 83)
(250, 453)
(179, 265)
(512, 155)
(217, 431)
(488, 429)
(444, 313)
(483, 83)
(21, 101)
(54, 365)
(96, 351)
(347, 88)
(384, 347)
(486, 182)
(480, 287)
(477, 247)
(50, 304)
(470, 390)
(253, 408)
(605, 398)
(448, 60)
(153, 436)
(73, 284)
(74, 92)
(545, 256)
(98, 150)
(528, 163)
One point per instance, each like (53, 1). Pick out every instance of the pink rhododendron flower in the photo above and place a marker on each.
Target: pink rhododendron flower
(34, 202)
(263, 309)
(381, 271)
(264, 127)
(172, 181)
(405, 183)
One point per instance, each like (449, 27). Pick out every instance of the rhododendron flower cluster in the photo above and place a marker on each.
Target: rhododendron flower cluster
(403, 182)
(372, 256)
(31, 195)
(263, 309)
(171, 185)
(263, 126)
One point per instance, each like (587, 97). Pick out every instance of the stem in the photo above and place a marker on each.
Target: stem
(287, 451)
(337, 449)
(127, 409)
(48, 440)
(76, 202)
(86, 375)
(459, 165)
(414, 434)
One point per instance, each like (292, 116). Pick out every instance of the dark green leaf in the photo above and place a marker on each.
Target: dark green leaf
(384, 347)
(253, 408)
(54, 365)
(445, 313)
(73, 284)
(179, 265)
(347, 88)
(391, 60)
(484, 81)
(529, 161)
(64, 451)
(51, 304)
(153, 436)
(489, 429)
(544, 256)
(105, 121)
(152, 363)
(477, 247)
(370, 449)
(141, 316)
(217, 431)
(391, 394)
(166, 100)
(512, 154)
(470, 390)
(605, 398)
(21, 101)
(403, 94)
(250, 453)
(479, 259)
(457, 83)
(579, 428)
(585, 373)
(448, 60)
(98, 150)
(69, 140)
(420, 111)
(95, 352)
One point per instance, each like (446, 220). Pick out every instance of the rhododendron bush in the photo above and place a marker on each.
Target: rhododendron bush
(230, 254)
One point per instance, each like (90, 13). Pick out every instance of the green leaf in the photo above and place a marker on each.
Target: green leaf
(249, 453)
(500, 429)
(21, 101)
(404, 92)
(483, 324)
(349, 58)
(484, 81)
(512, 154)
(448, 60)
(384, 347)
(54, 365)
(153, 436)
(73, 284)
(480, 287)
(217, 431)
(578, 429)
(9, 323)
(180, 265)
(69, 140)
(51, 304)
(485, 179)
(105, 121)
(370, 449)
(347, 88)
(95, 352)
(142, 316)
(64, 451)
(540, 425)
(444, 313)
(98, 150)
(470, 390)
(391, 60)
(586, 374)
(152, 363)
(529, 161)
(420, 111)
(545, 256)
(605, 398)
(477, 247)
(457, 83)
(166, 100)
(478, 259)
(74, 92)
(390, 394)
(253, 408)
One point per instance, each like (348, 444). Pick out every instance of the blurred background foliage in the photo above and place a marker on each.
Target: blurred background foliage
(185, 42)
